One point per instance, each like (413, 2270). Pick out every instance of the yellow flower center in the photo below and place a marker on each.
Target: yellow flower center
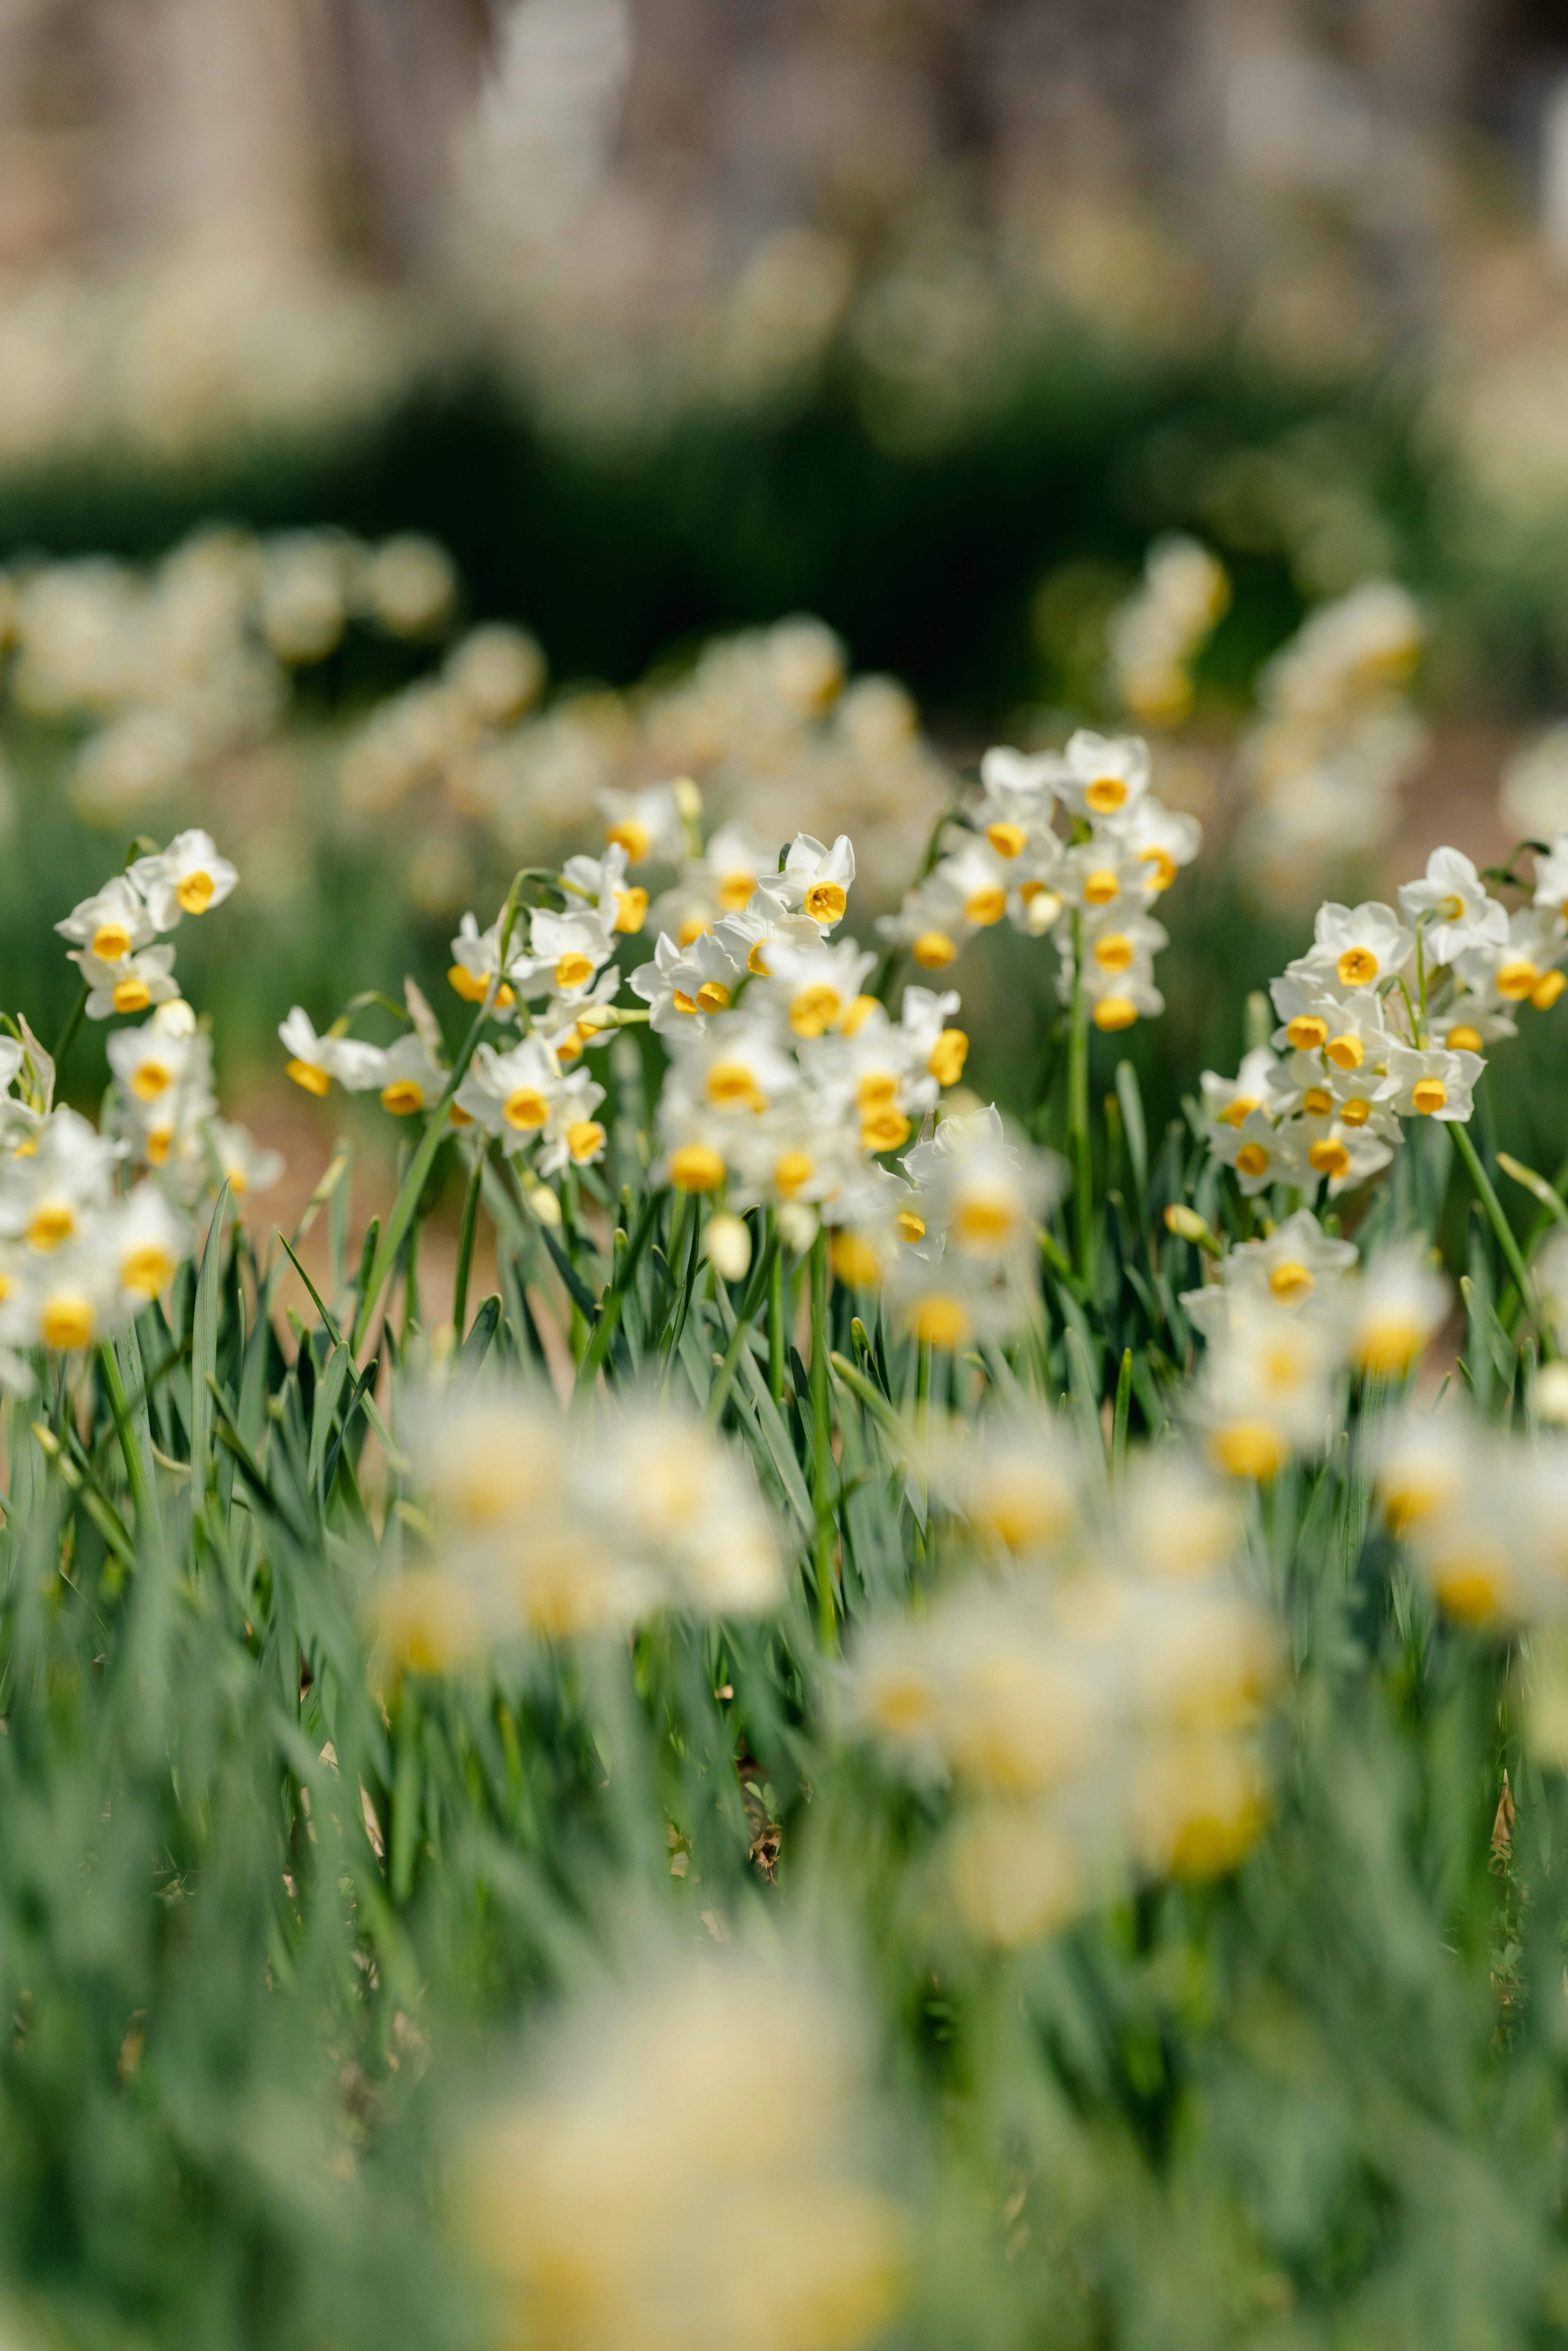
(816, 1007)
(148, 1081)
(757, 962)
(713, 997)
(584, 1139)
(403, 1097)
(985, 1224)
(1547, 990)
(1429, 1095)
(631, 911)
(1105, 795)
(1464, 1039)
(933, 949)
(731, 1084)
(1357, 968)
(855, 1261)
(908, 1226)
(884, 1130)
(1472, 1585)
(68, 1322)
(632, 837)
(696, 1167)
(569, 1047)
(1252, 1159)
(526, 1109)
(1317, 1102)
(875, 1090)
(1329, 1157)
(1114, 1012)
(1346, 1052)
(1101, 888)
(735, 892)
(1292, 1282)
(859, 1013)
(1307, 1033)
(236, 1181)
(826, 901)
(1356, 1111)
(132, 995)
(693, 928)
(1452, 908)
(149, 1268)
(194, 892)
(459, 1116)
(948, 1056)
(1164, 866)
(1516, 979)
(110, 942)
(1249, 1448)
(986, 906)
(573, 969)
(471, 987)
(1239, 1110)
(1007, 840)
(158, 1147)
(53, 1223)
(941, 1322)
(1390, 1345)
(1113, 952)
(684, 1003)
(794, 1171)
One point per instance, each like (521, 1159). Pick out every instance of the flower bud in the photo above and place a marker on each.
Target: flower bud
(729, 1246)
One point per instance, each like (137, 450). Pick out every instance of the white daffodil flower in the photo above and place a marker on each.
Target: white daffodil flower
(131, 985)
(800, 1150)
(736, 1065)
(975, 880)
(1527, 967)
(112, 924)
(189, 877)
(1103, 778)
(816, 989)
(1299, 1266)
(314, 1062)
(815, 880)
(147, 1061)
(244, 1166)
(601, 883)
(1260, 1152)
(1358, 947)
(1343, 1152)
(566, 952)
(1232, 1100)
(1451, 908)
(146, 1243)
(512, 1094)
(1162, 840)
(683, 986)
(1266, 1388)
(745, 937)
(573, 1135)
(648, 824)
(476, 956)
(411, 1078)
(563, 1023)
(1392, 1313)
(1019, 786)
(1097, 876)
(1433, 1084)
(730, 869)
(50, 1196)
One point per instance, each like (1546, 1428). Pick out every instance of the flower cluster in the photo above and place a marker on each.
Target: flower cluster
(534, 1529)
(1155, 636)
(1383, 1022)
(1091, 890)
(171, 668)
(1287, 1319)
(623, 2203)
(1094, 1699)
(1335, 737)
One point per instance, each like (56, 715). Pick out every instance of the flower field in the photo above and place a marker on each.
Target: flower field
(786, 1705)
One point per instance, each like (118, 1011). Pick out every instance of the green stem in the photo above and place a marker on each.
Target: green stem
(822, 1446)
(388, 1248)
(724, 1378)
(1078, 1112)
(775, 1322)
(141, 1494)
(466, 1248)
(1499, 1223)
(70, 1032)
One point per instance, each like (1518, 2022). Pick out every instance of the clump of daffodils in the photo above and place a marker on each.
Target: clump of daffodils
(1094, 1698)
(1335, 737)
(1289, 1319)
(1156, 635)
(689, 2167)
(1384, 1023)
(531, 1529)
(1482, 1514)
(1090, 886)
(82, 1249)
